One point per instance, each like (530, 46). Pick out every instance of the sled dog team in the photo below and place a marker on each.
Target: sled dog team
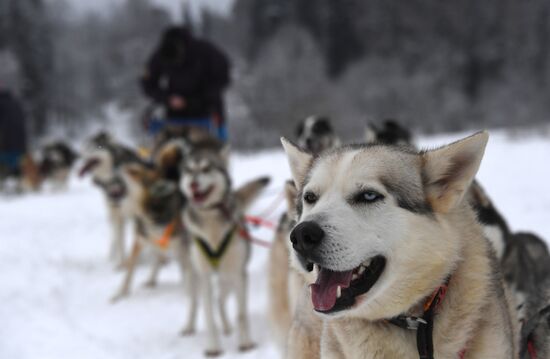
(385, 251)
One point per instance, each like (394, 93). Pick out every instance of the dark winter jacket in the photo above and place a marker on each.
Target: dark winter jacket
(185, 66)
(12, 124)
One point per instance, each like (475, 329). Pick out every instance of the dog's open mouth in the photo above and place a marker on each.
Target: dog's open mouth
(336, 291)
(201, 196)
(89, 166)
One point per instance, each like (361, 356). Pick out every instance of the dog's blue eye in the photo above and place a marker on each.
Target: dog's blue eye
(367, 197)
(310, 197)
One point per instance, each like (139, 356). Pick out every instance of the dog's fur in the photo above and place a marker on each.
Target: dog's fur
(102, 158)
(158, 205)
(494, 225)
(57, 159)
(536, 325)
(213, 211)
(526, 269)
(300, 330)
(390, 133)
(407, 208)
(315, 134)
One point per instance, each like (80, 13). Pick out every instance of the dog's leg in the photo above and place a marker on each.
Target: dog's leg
(157, 264)
(132, 261)
(190, 284)
(224, 291)
(213, 347)
(117, 237)
(242, 313)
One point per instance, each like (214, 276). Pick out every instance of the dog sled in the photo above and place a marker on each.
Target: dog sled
(211, 125)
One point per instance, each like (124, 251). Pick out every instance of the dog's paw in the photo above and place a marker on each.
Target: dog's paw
(121, 266)
(187, 331)
(117, 297)
(227, 330)
(246, 347)
(213, 352)
(150, 284)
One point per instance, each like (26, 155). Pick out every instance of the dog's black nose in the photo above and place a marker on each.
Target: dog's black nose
(306, 236)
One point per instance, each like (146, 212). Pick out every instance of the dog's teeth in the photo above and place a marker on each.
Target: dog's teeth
(367, 263)
(338, 292)
(361, 270)
(354, 276)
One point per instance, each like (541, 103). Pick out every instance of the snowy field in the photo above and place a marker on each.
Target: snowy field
(55, 281)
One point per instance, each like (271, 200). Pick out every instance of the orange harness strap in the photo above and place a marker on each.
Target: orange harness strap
(164, 241)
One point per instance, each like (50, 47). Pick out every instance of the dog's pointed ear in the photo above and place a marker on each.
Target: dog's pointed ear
(298, 160)
(290, 195)
(248, 192)
(449, 171)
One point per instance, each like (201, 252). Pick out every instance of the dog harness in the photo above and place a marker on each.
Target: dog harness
(424, 324)
(164, 241)
(214, 256)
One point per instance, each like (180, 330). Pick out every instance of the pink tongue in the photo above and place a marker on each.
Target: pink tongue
(323, 292)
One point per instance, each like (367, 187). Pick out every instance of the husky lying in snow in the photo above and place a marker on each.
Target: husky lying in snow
(402, 266)
(103, 158)
(315, 134)
(214, 219)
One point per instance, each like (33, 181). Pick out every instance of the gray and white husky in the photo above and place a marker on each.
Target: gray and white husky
(220, 246)
(102, 158)
(384, 233)
(315, 133)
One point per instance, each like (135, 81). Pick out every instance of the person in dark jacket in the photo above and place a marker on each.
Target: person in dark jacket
(13, 137)
(187, 76)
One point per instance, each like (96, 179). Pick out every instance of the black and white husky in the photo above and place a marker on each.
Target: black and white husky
(103, 158)
(57, 159)
(315, 133)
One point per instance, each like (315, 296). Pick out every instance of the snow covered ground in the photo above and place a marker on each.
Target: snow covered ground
(55, 281)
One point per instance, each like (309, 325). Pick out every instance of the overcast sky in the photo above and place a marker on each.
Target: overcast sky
(174, 6)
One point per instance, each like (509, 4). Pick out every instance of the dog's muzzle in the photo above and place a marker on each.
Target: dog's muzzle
(306, 238)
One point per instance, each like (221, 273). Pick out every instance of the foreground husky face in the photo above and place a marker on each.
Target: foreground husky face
(204, 179)
(369, 223)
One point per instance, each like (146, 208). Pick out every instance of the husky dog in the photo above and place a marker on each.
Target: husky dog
(214, 219)
(103, 158)
(526, 268)
(24, 176)
(315, 134)
(299, 330)
(390, 133)
(57, 160)
(535, 332)
(280, 301)
(494, 225)
(157, 207)
(394, 245)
